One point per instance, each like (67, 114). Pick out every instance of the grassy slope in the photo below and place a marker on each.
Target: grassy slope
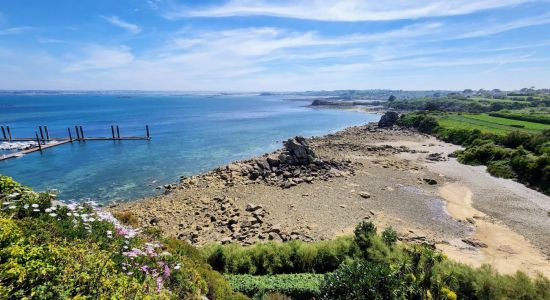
(483, 122)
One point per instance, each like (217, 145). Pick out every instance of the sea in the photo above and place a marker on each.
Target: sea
(190, 133)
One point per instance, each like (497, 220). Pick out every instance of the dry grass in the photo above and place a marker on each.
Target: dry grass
(126, 218)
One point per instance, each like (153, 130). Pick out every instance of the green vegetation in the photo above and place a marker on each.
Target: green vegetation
(279, 258)
(296, 286)
(58, 252)
(487, 123)
(539, 115)
(457, 102)
(73, 251)
(377, 267)
(509, 148)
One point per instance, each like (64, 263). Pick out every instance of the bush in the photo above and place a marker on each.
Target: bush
(501, 168)
(363, 234)
(297, 286)
(389, 236)
(364, 280)
(483, 154)
(278, 258)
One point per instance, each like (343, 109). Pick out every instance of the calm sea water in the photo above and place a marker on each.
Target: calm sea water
(190, 134)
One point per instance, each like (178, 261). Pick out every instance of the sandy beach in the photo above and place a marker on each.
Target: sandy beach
(394, 177)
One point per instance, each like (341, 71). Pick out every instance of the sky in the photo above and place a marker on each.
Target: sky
(282, 45)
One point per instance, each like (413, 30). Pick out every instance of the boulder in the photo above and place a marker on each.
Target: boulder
(252, 207)
(388, 119)
(299, 150)
(364, 194)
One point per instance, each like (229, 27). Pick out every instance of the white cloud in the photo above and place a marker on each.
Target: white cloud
(506, 26)
(98, 58)
(14, 30)
(342, 10)
(133, 28)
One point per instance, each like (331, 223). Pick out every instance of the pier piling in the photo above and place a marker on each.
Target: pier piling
(41, 133)
(47, 133)
(77, 133)
(9, 133)
(44, 141)
(38, 141)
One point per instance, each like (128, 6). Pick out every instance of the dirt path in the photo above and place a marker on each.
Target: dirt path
(503, 248)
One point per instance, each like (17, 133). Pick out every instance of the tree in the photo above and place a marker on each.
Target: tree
(392, 98)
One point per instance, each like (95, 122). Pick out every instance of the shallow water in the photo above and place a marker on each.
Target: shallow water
(190, 134)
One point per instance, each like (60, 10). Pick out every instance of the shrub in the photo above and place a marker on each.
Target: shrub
(364, 280)
(389, 236)
(127, 218)
(501, 168)
(297, 286)
(363, 235)
(277, 258)
(428, 125)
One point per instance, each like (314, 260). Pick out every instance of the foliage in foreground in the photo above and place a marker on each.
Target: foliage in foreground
(379, 268)
(296, 286)
(72, 251)
(279, 258)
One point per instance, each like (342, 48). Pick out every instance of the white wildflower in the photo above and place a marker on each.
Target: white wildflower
(35, 205)
(53, 214)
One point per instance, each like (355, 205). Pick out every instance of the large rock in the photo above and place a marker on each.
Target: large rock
(388, 119)
(299, 150)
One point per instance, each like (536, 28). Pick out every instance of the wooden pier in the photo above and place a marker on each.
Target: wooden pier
(44, 141)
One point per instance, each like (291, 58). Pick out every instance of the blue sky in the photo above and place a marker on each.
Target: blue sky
(262, 45)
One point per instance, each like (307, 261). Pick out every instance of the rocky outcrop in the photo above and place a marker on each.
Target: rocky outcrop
(388, 119)
(295, 164)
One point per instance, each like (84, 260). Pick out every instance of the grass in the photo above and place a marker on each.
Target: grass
(486, 123)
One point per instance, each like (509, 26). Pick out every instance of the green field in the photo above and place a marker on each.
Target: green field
(486, 123)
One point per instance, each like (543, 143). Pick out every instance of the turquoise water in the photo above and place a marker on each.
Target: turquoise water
(190, 134)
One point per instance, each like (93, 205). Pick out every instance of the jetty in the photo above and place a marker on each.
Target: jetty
(42, 140)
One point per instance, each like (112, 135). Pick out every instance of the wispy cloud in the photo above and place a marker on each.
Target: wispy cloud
(342, 10)
(99, 58)
(500, 27)
(133, 28)
(14, 30)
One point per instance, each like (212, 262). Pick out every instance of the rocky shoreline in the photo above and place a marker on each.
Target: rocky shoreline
(218, 219)
(321, 187)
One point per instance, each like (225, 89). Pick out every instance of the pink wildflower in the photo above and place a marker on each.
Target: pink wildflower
(145, 269)
(121, 231)
(166, 271)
